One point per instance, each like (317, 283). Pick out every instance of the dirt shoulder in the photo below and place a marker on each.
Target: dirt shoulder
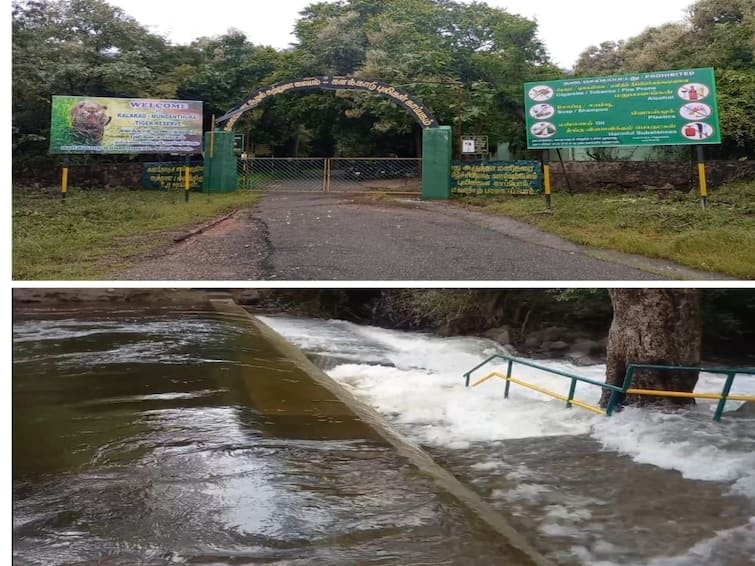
(235, 248)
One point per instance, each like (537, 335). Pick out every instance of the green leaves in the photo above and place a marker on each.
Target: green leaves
(465, 61)
(718, 34)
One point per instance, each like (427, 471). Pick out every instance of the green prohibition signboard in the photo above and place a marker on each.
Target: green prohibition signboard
(660, 108)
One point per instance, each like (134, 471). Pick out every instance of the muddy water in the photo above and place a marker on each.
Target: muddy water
(163, 438)
(643, 488)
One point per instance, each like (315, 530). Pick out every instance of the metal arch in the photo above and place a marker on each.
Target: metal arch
(395, 94)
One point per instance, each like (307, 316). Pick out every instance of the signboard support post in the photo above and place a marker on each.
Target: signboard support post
(187, 177)
(546, 178)
(212, 138)
(702, 176)
(566, 174)
(64, 180)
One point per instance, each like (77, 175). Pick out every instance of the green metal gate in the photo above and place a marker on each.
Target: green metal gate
(282, 174)
(366, 174)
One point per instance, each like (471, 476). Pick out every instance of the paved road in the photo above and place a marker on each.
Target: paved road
(330, 237)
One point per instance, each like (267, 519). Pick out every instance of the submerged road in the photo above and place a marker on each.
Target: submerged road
(350, 237)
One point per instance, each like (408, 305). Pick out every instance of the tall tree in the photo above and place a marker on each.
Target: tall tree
(449, 54)
(656, 327)
(76, 47)
(716, 33)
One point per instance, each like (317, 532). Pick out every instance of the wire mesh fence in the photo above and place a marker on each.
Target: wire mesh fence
(334, 174)
(282, 174)
(377, 174)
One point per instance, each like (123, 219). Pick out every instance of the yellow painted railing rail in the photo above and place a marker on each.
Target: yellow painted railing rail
(716, 396)
(570, 401)
(618, 393)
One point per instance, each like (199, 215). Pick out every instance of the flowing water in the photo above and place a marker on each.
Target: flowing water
(639, 488)
(184, 437)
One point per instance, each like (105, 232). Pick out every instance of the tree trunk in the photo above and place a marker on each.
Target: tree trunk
(658, 327)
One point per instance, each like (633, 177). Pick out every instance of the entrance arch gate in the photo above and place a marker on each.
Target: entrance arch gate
(431, 173)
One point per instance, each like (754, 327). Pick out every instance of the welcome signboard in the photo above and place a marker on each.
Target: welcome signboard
(662, 108)
(125, 125)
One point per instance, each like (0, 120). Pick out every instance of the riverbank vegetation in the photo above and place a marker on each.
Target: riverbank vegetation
(720, 239)
(93, 233)
(512, 316)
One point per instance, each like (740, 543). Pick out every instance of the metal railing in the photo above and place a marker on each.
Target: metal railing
(617, 393)
(364, 174)
(570, 401)
(722, 397)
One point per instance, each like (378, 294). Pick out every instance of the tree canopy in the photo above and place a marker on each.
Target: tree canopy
(465, 60)
(716, 33)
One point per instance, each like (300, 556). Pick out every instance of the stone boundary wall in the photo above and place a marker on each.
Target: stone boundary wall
(93, 175)
(583, 175)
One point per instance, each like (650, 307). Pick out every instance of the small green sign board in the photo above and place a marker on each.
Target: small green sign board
(660, 108)
(169, 175)
(482, 177)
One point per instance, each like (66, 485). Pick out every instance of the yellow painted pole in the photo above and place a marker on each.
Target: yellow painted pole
(64, 180)
(702, 176)
(546, 177)
(187, 179)
(64, 188)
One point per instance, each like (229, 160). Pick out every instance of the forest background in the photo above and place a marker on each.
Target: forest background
(451, 55)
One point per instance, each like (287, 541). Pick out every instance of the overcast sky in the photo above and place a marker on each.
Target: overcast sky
(567, 27)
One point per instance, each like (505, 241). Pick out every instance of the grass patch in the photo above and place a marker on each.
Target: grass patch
(94, 233)
(719, 239)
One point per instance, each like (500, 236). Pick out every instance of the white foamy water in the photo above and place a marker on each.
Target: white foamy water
(416, 381)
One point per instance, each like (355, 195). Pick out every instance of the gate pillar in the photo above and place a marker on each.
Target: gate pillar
(437, 151)
(220, 175)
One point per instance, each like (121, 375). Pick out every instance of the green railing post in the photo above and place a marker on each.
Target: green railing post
(508, 382)
(617, 393)
(614, 399)
(571, 392)
(724, 395)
